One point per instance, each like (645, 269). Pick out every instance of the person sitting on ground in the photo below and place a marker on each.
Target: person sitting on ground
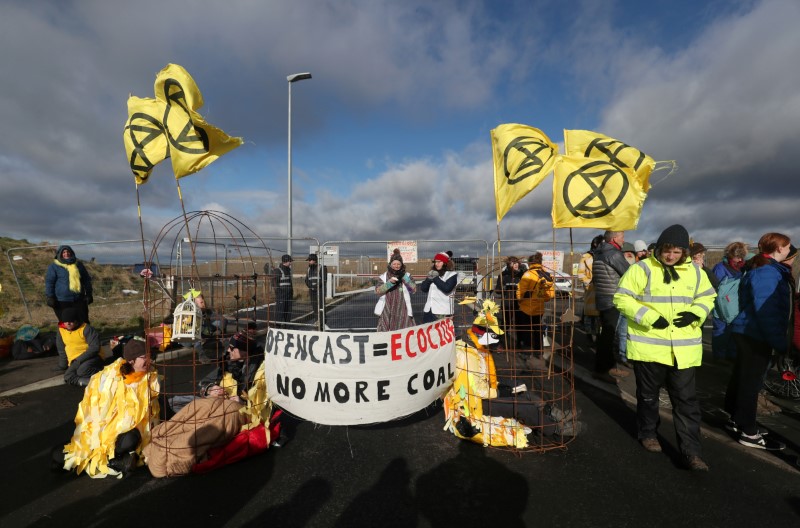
(68, 284)
(493, 405)
(440, 286)
(665, 299)
(114, 418)
(78, 345)
(213, 325)
(233, 377)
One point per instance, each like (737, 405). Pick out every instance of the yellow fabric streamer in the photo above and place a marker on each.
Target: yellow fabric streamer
(109, 408)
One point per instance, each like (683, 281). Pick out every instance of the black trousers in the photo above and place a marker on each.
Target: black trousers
(680, 384)
(283, 307)
(529, 331)
(741, 397)
(606, 355)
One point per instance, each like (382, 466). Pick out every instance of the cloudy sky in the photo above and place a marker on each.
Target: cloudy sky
(391, 136)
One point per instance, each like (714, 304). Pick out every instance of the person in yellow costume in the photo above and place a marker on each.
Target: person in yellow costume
(114, 419)
(666, 298)
(492, 410)
(535, 288)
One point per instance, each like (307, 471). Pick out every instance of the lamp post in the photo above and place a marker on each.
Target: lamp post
(292, 79)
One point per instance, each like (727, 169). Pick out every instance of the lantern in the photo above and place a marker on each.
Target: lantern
(187, 321)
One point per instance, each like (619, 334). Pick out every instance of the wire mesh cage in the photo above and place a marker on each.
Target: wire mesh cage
(518, 391)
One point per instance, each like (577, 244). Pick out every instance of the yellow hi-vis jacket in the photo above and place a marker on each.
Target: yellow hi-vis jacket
(642, 297)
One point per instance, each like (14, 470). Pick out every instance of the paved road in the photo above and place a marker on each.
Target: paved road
(411, 473)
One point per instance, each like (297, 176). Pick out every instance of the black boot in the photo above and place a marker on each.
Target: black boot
(124, 464)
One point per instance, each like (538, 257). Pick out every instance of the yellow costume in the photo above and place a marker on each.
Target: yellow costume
(476, 380)
(112, 404)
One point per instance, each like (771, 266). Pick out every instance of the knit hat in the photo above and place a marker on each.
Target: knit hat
(396, 256)
(640, 245)
(242, 342)
(627, 247)
(71, 314)
(696, 248)
(441, 257)
(675, 235)
(286, 258)
(133, 349)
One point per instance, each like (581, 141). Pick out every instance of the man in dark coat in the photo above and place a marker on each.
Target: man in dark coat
(315, 280)
(284, 293)
(609, 265)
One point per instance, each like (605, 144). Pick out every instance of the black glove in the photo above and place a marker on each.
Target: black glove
(660, 323)
(684, 319)
(89, 299)
(466, 429)
(51, 302)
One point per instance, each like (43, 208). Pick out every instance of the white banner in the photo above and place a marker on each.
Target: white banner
(341, 378)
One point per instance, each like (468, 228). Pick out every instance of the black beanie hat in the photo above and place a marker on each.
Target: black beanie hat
(71, 314)
(675, 235)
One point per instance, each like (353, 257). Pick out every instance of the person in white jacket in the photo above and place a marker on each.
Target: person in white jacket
(440, 287)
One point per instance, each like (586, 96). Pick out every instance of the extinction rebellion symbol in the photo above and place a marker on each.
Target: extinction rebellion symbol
(175, 124)
(529, 149)
(601, 179)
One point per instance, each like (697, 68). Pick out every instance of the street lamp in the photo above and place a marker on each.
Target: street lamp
(292, 79)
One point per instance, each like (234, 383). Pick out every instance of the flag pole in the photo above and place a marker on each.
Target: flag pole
(188, 234)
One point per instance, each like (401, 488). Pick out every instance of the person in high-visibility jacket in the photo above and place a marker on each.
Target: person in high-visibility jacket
(666, 298)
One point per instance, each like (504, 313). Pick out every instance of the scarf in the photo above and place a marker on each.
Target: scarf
(74, 275)
(669, 273)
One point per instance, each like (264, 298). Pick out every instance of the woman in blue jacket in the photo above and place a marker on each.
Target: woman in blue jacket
(68, 284)
(765, 301)
(722, 346)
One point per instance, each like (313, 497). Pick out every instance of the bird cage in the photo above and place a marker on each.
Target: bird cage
(187, 321)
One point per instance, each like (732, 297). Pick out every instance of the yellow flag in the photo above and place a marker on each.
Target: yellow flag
(169, 126)
(590, 192)
(144, 138)
(193, 142)
(599, 146)
(523, 157)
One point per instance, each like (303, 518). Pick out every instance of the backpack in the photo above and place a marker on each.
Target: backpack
(726, 305)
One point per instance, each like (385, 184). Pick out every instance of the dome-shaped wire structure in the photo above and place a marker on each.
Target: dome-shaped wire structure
(208, 294)
(533, 360)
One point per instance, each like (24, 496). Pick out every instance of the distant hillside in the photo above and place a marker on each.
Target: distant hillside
(111, 308)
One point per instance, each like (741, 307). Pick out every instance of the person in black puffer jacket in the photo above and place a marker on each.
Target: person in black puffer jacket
(608, 266)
